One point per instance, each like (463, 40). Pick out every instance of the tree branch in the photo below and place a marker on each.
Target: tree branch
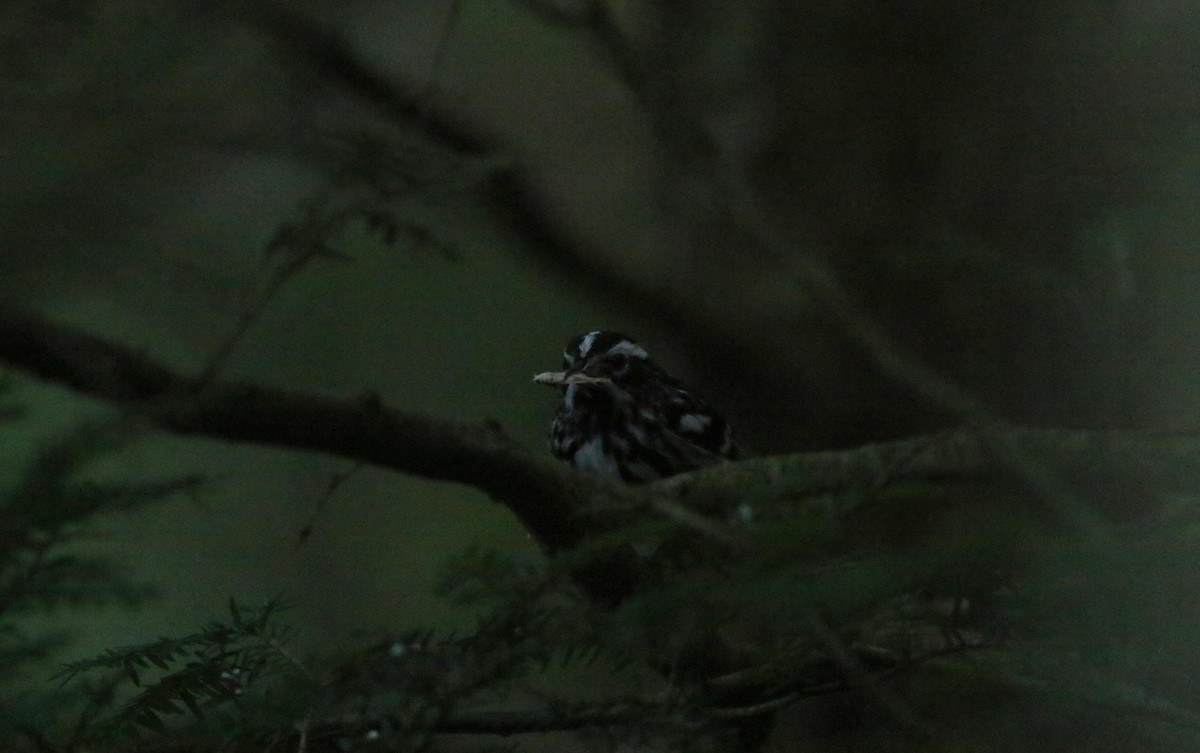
(541, 492)
(510, 722)
(1071, 475)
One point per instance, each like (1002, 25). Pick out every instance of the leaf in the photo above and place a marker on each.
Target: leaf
(190, 701)
(150, 720)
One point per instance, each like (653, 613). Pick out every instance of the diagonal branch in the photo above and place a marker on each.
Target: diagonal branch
(1118, 475)
(542, 493)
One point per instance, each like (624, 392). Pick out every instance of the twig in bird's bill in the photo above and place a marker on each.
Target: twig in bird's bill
(556, 378)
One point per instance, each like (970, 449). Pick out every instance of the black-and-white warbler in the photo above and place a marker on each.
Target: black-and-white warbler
(623, 416)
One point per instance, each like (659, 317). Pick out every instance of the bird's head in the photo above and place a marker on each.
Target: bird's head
(600, 358)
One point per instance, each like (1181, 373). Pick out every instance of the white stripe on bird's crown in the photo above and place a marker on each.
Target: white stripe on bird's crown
(586, 343)
(630, 349)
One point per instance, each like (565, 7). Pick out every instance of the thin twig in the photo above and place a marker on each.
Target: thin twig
(335, 482)
(858, 673)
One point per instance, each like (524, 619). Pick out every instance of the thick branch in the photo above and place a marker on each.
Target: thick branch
(1079, 478)
(1073, 479)
(542, 493)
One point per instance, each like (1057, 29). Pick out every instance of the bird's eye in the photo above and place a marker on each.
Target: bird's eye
(619, 361)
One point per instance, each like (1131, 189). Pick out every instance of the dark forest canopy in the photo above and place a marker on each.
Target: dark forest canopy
(933, 262)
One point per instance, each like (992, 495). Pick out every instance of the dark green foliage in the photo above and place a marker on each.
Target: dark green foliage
(236, 686)
(195, 672)
(534, 601)
(46, 513)
(9, 409)
(930, 614)
(949, 640)
(376, 179)
(46, 510)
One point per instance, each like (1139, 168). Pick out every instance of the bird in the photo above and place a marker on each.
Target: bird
(623, 417)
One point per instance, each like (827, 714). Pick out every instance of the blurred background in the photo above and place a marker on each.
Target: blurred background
(842, 222)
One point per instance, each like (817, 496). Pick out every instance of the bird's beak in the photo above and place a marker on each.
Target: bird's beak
(563, 378)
